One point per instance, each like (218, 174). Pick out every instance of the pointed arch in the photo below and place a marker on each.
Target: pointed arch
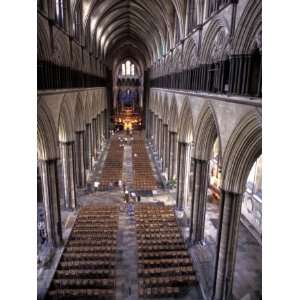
(155, 103)
(215, 42)
(173, 118)
(242, 150)
(165, 110)
(177, 59)
(88, 108)
(79, 123)
(190, 58)
(61, 55)
(65, 123)
(160, 106)
(206, 133)
(43, 42)
(248, 32)
(47, 141)
(186, 127)
(94, 111)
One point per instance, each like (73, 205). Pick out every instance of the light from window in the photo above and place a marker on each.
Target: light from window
(57, 9)
(123, 70)
(59, 12)
(132, 70)
(128, 67)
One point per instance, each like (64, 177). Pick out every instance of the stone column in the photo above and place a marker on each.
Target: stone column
(99, 132)
(68, 170)
(186, 178)
(151, 125)
(230, 212)
(183, 174)
(195, 191)
(199, 199)
(165, 147)
(178, 188)
(160, 144)
(173, 155)
(102, 129)
(88, 147)
(48, 171)
(158, 137)
(170, 157)
(155, 135)
(94, 138)
(80, 167)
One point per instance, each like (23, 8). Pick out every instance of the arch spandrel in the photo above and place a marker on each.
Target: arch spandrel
(160, 107)
(228, 115)
(174, 116)
(179, 101)
(242, 150)
(53, 103)
(79, 121)
(47, 136)
(166, 112)
(248, 28)
(206, 132)
(186, 125)
(88, 108)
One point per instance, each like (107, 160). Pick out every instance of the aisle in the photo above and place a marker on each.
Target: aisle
(127, 280)
(127, 173)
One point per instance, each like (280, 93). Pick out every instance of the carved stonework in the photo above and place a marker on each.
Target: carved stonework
(258, 40)
(219, 46)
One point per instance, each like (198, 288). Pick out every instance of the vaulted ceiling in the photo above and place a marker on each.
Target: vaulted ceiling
(116, 29)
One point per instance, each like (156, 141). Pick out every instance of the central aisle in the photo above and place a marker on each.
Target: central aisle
(127, 173)
(127, 280)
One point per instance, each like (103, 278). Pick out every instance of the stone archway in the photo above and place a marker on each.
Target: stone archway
(242, 150)
(185, 139)
(47, 162)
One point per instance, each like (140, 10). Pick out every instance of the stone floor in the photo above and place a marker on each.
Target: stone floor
(247, 277)
(127, 166)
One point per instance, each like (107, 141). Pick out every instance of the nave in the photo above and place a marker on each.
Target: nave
(138, 257)
(154, 101)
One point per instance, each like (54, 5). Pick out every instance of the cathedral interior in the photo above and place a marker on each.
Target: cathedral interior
(149, 149)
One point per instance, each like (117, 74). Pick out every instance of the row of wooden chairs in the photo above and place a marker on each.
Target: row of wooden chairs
(102, 283)
(164, 262)
(160, 271)
(80, 294)
(164, 265)
(172, 280)
(87, 266)
(161, 247)
(91, 249)
(87, 256)
(166, 254)
(92, 243)
(82, 273)
(113, 166)
(153, 292)
(143, 178)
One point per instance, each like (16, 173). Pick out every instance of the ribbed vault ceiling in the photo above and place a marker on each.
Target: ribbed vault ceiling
(122, 28)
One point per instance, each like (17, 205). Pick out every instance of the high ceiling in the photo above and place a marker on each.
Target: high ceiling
(142, 29)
